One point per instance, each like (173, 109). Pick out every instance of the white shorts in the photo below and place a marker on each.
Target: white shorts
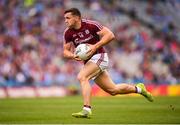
(101, 60)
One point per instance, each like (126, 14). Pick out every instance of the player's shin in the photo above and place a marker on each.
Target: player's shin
(86, 92)
(125, 88)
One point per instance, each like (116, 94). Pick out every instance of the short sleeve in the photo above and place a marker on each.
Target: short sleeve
(96, 26)
(67, 36)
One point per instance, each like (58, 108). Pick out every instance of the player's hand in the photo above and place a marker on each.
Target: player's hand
(76, 58)
(92, 50)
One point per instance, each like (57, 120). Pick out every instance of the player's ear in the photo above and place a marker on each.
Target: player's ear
(77, 18)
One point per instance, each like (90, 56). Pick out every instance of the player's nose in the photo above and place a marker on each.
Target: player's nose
(65, 21)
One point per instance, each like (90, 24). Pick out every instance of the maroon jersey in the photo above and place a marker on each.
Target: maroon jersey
(86, 34)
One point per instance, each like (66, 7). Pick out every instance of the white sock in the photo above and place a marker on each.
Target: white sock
(87, 109)
(138, 89)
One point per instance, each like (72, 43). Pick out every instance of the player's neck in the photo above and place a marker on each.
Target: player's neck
(78, 25)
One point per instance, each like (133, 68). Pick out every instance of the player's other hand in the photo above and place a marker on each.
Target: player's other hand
(92, 50)
(76, 58)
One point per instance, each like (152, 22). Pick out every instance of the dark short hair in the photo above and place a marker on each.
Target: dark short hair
(73, 11)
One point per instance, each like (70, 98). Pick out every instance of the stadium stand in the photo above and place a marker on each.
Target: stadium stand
(146, 48)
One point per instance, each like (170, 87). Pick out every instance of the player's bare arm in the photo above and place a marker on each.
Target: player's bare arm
(106, 36)
(68, 53)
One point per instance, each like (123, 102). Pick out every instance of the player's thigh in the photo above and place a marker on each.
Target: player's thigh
(89, 70)
(104, 81)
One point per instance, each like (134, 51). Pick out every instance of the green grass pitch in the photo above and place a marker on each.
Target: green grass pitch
(106, 110)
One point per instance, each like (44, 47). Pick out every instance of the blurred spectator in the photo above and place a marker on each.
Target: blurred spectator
(31, 41)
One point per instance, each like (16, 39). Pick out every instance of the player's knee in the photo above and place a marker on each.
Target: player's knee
(113, 93)
(81, 78)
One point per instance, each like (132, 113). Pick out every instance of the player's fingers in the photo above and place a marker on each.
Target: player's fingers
(77, 58)
(89, 52)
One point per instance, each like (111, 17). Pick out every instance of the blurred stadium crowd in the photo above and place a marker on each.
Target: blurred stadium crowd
(146, 48)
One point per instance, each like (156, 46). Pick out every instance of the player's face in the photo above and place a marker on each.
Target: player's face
(70, 20)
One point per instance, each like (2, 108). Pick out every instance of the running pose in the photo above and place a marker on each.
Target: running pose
(93, 33)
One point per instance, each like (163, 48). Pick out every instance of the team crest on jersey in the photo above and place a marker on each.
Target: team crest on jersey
(80, 34)
(87, 31)
(74, 35)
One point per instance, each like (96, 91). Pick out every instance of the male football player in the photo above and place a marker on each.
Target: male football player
(96, 36)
